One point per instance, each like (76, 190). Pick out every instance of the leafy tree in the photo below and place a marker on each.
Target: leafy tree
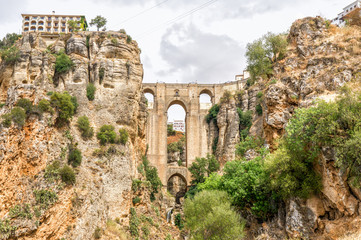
(84, 127)
(259, 109)
(6, 122)
(202, 168)
(44, 106)
(247, 183)
(10, 55)
(210, 216)
(170, 130)
(73, 25)
(99, 22)
(106, 134)
(151, 174)
(263, 52)
(9, 40)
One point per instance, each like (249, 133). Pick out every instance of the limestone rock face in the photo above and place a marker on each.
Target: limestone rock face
(228, 133)
(103, 184)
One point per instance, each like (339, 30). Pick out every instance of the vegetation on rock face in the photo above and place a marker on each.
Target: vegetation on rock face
(8, 52)
(45, 198)
(170, 130)
(63, 63)
(263, 52)
(201, 168)
(74, 157)
(245, 122)
(212, 114)
(67, 175)
(210, 216)
(84, 127)
(18, 116)
(65, 105)
(151, 174)
(106, 134)
(26, 104)
(90, 91)
(123, 136)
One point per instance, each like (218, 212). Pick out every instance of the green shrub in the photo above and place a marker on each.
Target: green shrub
(145, 231)
(21, 211)
(245, 122)
(84, 127)
(212, 114)
(136, 184)
(10, 55)
(97, 233)
(74, 157)
(123, 136)
(90, 91)
(151, 174)
(44, 106)
(259, 95)
(67, 175)
(106, 134)
(214, 145)
(52, 171)
(136, 200)
(63, 63)
(25, 104)
(45, 198)
(6, 229)
(9, 40)
(134, 223)
(248, 143)
(227, 96)
(259, 110)
(74, 101)
(210, 216)
(129, 39)
(178, 221)
(101, 74)
(64, 104)
(248, 185)
(2, 105)
(170, 130)
(202, 168)
(18, 116)
(114, 41)
(6, 122)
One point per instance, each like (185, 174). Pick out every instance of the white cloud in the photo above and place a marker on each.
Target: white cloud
(194, 55)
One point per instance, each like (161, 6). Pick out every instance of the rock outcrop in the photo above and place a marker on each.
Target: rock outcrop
(103, 184)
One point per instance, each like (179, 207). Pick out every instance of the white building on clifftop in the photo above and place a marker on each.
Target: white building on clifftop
(53, 24)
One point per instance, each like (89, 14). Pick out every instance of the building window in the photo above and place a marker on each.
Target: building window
(26, 29)
(49, 24)
(48, 29)
(26, 18)
(40, 29)
(42, 18)
(78, 18)
(63, 24)
(55, 24)
(55, 29)
(63, 29)
(71, 18)
(41, 23)
(33, 23)
(49, 18)
(33, 28)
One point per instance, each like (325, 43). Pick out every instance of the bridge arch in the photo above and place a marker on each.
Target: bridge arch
(177, 101)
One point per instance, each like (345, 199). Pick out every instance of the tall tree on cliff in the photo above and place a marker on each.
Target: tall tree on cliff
(99, 22)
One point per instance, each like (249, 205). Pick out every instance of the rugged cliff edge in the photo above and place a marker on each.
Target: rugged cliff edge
(102, 191)
(320, 60)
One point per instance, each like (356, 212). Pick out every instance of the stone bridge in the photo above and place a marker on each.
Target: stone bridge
(186, 95)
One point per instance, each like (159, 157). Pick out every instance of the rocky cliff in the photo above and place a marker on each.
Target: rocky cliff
(102, 191)
(321, 58)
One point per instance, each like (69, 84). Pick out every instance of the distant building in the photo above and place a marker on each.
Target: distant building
(243, 76)
(51, 23)
(179, 125)
(348, 11)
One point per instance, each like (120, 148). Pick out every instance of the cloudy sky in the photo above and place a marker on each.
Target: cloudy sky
(185, 41)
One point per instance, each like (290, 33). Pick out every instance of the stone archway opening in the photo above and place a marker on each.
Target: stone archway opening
(176, 135)
(177, 186)
(149, 95)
